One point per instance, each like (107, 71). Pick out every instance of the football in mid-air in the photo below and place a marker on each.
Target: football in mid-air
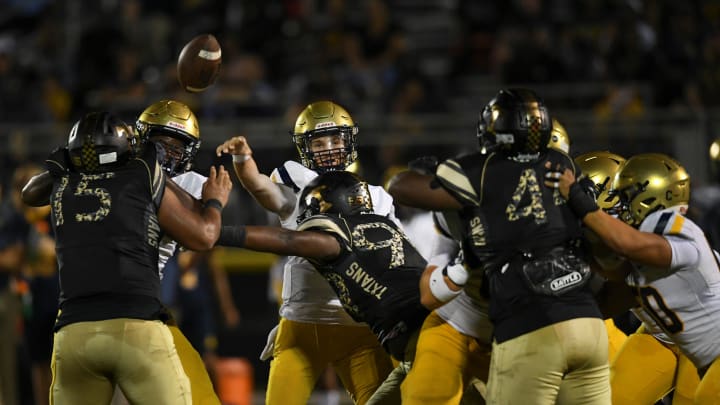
(199, 63)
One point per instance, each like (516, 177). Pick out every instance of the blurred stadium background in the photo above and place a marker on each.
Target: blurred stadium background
(627, 76)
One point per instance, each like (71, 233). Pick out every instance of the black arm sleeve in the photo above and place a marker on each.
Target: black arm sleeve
(233, 236)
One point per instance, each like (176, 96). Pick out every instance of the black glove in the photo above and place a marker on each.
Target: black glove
(589, 187)
(580, 202)
(58, 163)
(424, 164)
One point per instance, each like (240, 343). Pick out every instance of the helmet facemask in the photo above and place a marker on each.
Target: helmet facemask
(320, 119)
(167, 119)
(176, 151)
(340, 154)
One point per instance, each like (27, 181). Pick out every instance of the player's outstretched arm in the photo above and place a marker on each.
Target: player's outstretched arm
(196, 227)
(641, 247)
(309, 244)
(272, 196)
(418, 190)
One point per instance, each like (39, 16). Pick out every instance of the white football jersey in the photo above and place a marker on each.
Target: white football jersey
(683, 300)
(306, 295)
(191, 182)
(468, 312)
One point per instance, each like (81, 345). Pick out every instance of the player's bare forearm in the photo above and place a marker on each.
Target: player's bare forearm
(642, 247)
(268, 194)
(183, 197)
(187, 221)
(416, 190)
(308, 244)
(427, 298)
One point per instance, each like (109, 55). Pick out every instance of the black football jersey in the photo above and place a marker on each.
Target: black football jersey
(508, 212)
(377, 275)
(107, 235)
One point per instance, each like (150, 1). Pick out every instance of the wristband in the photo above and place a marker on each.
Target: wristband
(241, 158)
(233, 236)
(213, 203)
(456, 273)
(580, 202)
(439, 288)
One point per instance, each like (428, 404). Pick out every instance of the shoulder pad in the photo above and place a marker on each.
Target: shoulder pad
(293, 175)
(450, 224)
(325, 223)
(664, 222)
(382, 201)
(452, 177)
(192, 182)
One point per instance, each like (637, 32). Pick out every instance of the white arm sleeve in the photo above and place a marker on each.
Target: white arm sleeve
(684, 252)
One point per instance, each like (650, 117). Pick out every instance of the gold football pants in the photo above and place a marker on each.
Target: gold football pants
(445, 360)
(530, 368)
(708, 392)
(645, 370)
(202, 390)
(616, 338)
(89, 358)
(303, 350)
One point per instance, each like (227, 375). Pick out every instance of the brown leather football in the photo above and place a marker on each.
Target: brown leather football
(199, 63)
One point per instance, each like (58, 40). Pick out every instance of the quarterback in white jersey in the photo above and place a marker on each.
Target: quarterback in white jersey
(314, 330)
(673, 271)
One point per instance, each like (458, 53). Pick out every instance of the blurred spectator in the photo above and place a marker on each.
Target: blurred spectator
(680, 33)
(14, 231)
(40, 300)
(201, 280)
(479, 22)
(374, 50)
(19, 89)
(244, 91)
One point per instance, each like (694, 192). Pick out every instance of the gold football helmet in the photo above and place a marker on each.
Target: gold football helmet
(649, 182)
(600, 167)
(325, 118)
(559, 138)
(175, 120)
